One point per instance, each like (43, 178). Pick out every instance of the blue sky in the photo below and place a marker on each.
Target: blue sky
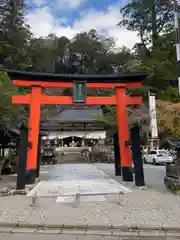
(69, 17)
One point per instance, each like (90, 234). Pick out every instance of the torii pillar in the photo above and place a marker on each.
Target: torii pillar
(123, 133)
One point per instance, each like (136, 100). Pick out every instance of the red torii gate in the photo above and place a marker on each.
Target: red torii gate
(38, 81)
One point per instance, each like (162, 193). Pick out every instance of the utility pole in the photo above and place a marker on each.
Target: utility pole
(177, 32)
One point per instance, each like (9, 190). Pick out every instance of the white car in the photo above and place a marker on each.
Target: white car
(158, 157)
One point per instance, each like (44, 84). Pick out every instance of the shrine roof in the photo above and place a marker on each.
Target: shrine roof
(53, 77)
(74, 119)
(77, 115)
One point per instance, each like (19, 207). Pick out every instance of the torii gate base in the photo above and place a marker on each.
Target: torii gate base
(117, 158)
(38, 81)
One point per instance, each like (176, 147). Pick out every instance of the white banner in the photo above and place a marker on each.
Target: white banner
(152, 114)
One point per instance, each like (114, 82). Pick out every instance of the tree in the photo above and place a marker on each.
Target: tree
(14, 35)
(123, 60)
(136, 115)
(48, 54)
(90, 53)
(155, 54)
(148, 18)
(161, 66)
(168, 118)
(11, 114)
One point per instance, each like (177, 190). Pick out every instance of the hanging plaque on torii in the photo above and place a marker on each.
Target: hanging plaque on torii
(79, 92)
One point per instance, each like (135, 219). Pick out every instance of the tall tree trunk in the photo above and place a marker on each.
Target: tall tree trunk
(154, 24)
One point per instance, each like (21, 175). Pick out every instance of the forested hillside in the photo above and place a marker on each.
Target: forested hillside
(92, 52)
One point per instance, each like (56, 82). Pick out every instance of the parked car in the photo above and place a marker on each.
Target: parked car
(158, 157)
(173, 154)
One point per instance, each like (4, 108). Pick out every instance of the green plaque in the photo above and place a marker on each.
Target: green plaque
(79, 92)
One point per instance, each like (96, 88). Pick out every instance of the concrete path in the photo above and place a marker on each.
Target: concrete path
(77, 237)
(154, 176)
(18, 233)
(68, 180)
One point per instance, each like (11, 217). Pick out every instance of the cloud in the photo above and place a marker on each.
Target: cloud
(69, 4)
(98, 20)
(38, 2)
(60, 4)
(42, 23)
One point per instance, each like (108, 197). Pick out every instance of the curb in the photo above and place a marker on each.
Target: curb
(81, 227)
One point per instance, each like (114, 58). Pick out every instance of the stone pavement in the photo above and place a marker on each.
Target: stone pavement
(67, 180)
(154, 176)
(137, 208)
(67, 234)
(107, 233)
(14, 232)
(33, 236)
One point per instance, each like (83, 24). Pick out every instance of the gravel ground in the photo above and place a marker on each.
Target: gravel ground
(138, 207)
(151, 207)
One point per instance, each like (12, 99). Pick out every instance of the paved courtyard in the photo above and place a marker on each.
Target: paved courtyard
(68, 180)
(154, 175)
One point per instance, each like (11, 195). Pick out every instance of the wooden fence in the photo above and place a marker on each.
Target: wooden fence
(172, 171)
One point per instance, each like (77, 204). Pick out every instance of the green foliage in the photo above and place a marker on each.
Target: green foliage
(161, 64)
(149, 18)
(14, 35)
(91, 52)
(170, 94)
(168, 115)
(109, 115)
(143, 92)
(156, 53)
(136, 115)
(10, 114)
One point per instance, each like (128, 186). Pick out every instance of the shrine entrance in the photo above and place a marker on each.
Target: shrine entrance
(80, 84)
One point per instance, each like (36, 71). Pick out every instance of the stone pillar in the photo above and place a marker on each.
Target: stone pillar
(22, 153)
(137, 157)
(38, 157)
(117, 159)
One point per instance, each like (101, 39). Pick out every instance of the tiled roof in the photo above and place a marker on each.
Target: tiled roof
(53, 77)
(77, 115)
